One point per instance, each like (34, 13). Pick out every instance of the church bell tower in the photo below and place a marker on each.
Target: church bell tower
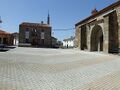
(48, 19)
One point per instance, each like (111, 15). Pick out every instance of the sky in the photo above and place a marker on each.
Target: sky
(64, 14)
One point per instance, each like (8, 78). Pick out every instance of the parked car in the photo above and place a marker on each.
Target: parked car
(116, 50)
(2, 45)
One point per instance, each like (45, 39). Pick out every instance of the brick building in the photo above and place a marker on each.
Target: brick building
(100, 31)
(35, 34)
(6, 38)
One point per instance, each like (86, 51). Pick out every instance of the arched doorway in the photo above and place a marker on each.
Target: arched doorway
(96, 38)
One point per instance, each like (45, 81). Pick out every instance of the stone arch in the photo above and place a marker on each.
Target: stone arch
(96, 43)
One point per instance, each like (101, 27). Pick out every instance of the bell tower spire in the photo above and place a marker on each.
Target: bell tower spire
(48, 19)
(0, 21)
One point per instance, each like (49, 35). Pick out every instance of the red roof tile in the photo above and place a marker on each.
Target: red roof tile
(3, 32)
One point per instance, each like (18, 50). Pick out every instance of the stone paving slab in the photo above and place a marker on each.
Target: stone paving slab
(109, 82)
(52, 69)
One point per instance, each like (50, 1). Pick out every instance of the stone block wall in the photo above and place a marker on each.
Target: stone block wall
(37, 37)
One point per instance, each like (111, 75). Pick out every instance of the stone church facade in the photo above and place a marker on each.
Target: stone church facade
(100, 31)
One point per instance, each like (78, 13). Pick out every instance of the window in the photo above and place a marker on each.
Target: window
(42, 35)
(35, 30)
(27, 34)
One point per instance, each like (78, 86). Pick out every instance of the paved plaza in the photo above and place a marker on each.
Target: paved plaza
(58, 69)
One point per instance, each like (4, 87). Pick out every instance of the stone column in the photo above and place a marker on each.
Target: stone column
(88, 37)
(118, 17)
(77, 37)
(106, 34)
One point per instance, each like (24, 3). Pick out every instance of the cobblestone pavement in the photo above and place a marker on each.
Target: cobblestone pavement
(57, 69)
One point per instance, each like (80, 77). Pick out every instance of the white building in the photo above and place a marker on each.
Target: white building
(15, 35)
(69, 42)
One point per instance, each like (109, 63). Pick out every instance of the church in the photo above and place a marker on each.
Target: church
(35, 34)
(100, 31)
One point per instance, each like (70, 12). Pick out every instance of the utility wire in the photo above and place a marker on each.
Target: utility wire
(63, 29)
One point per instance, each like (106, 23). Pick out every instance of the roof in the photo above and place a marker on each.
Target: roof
(100, 12)
(35, 24)
(3, 32)
(54, 38)
(15, 33)
(69, 39)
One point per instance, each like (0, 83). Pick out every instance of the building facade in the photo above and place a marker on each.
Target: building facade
(54, 41)
(100, 31)
(16, 38)
(35, 34)
(6, 38)
(69, 42)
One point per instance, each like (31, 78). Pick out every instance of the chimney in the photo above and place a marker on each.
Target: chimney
(94, 11)
(42, 22)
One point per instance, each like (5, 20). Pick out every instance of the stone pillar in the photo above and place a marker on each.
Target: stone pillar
(118, 17)
(106, 34)
(77, 37)
(88, 37)
(76, 40)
